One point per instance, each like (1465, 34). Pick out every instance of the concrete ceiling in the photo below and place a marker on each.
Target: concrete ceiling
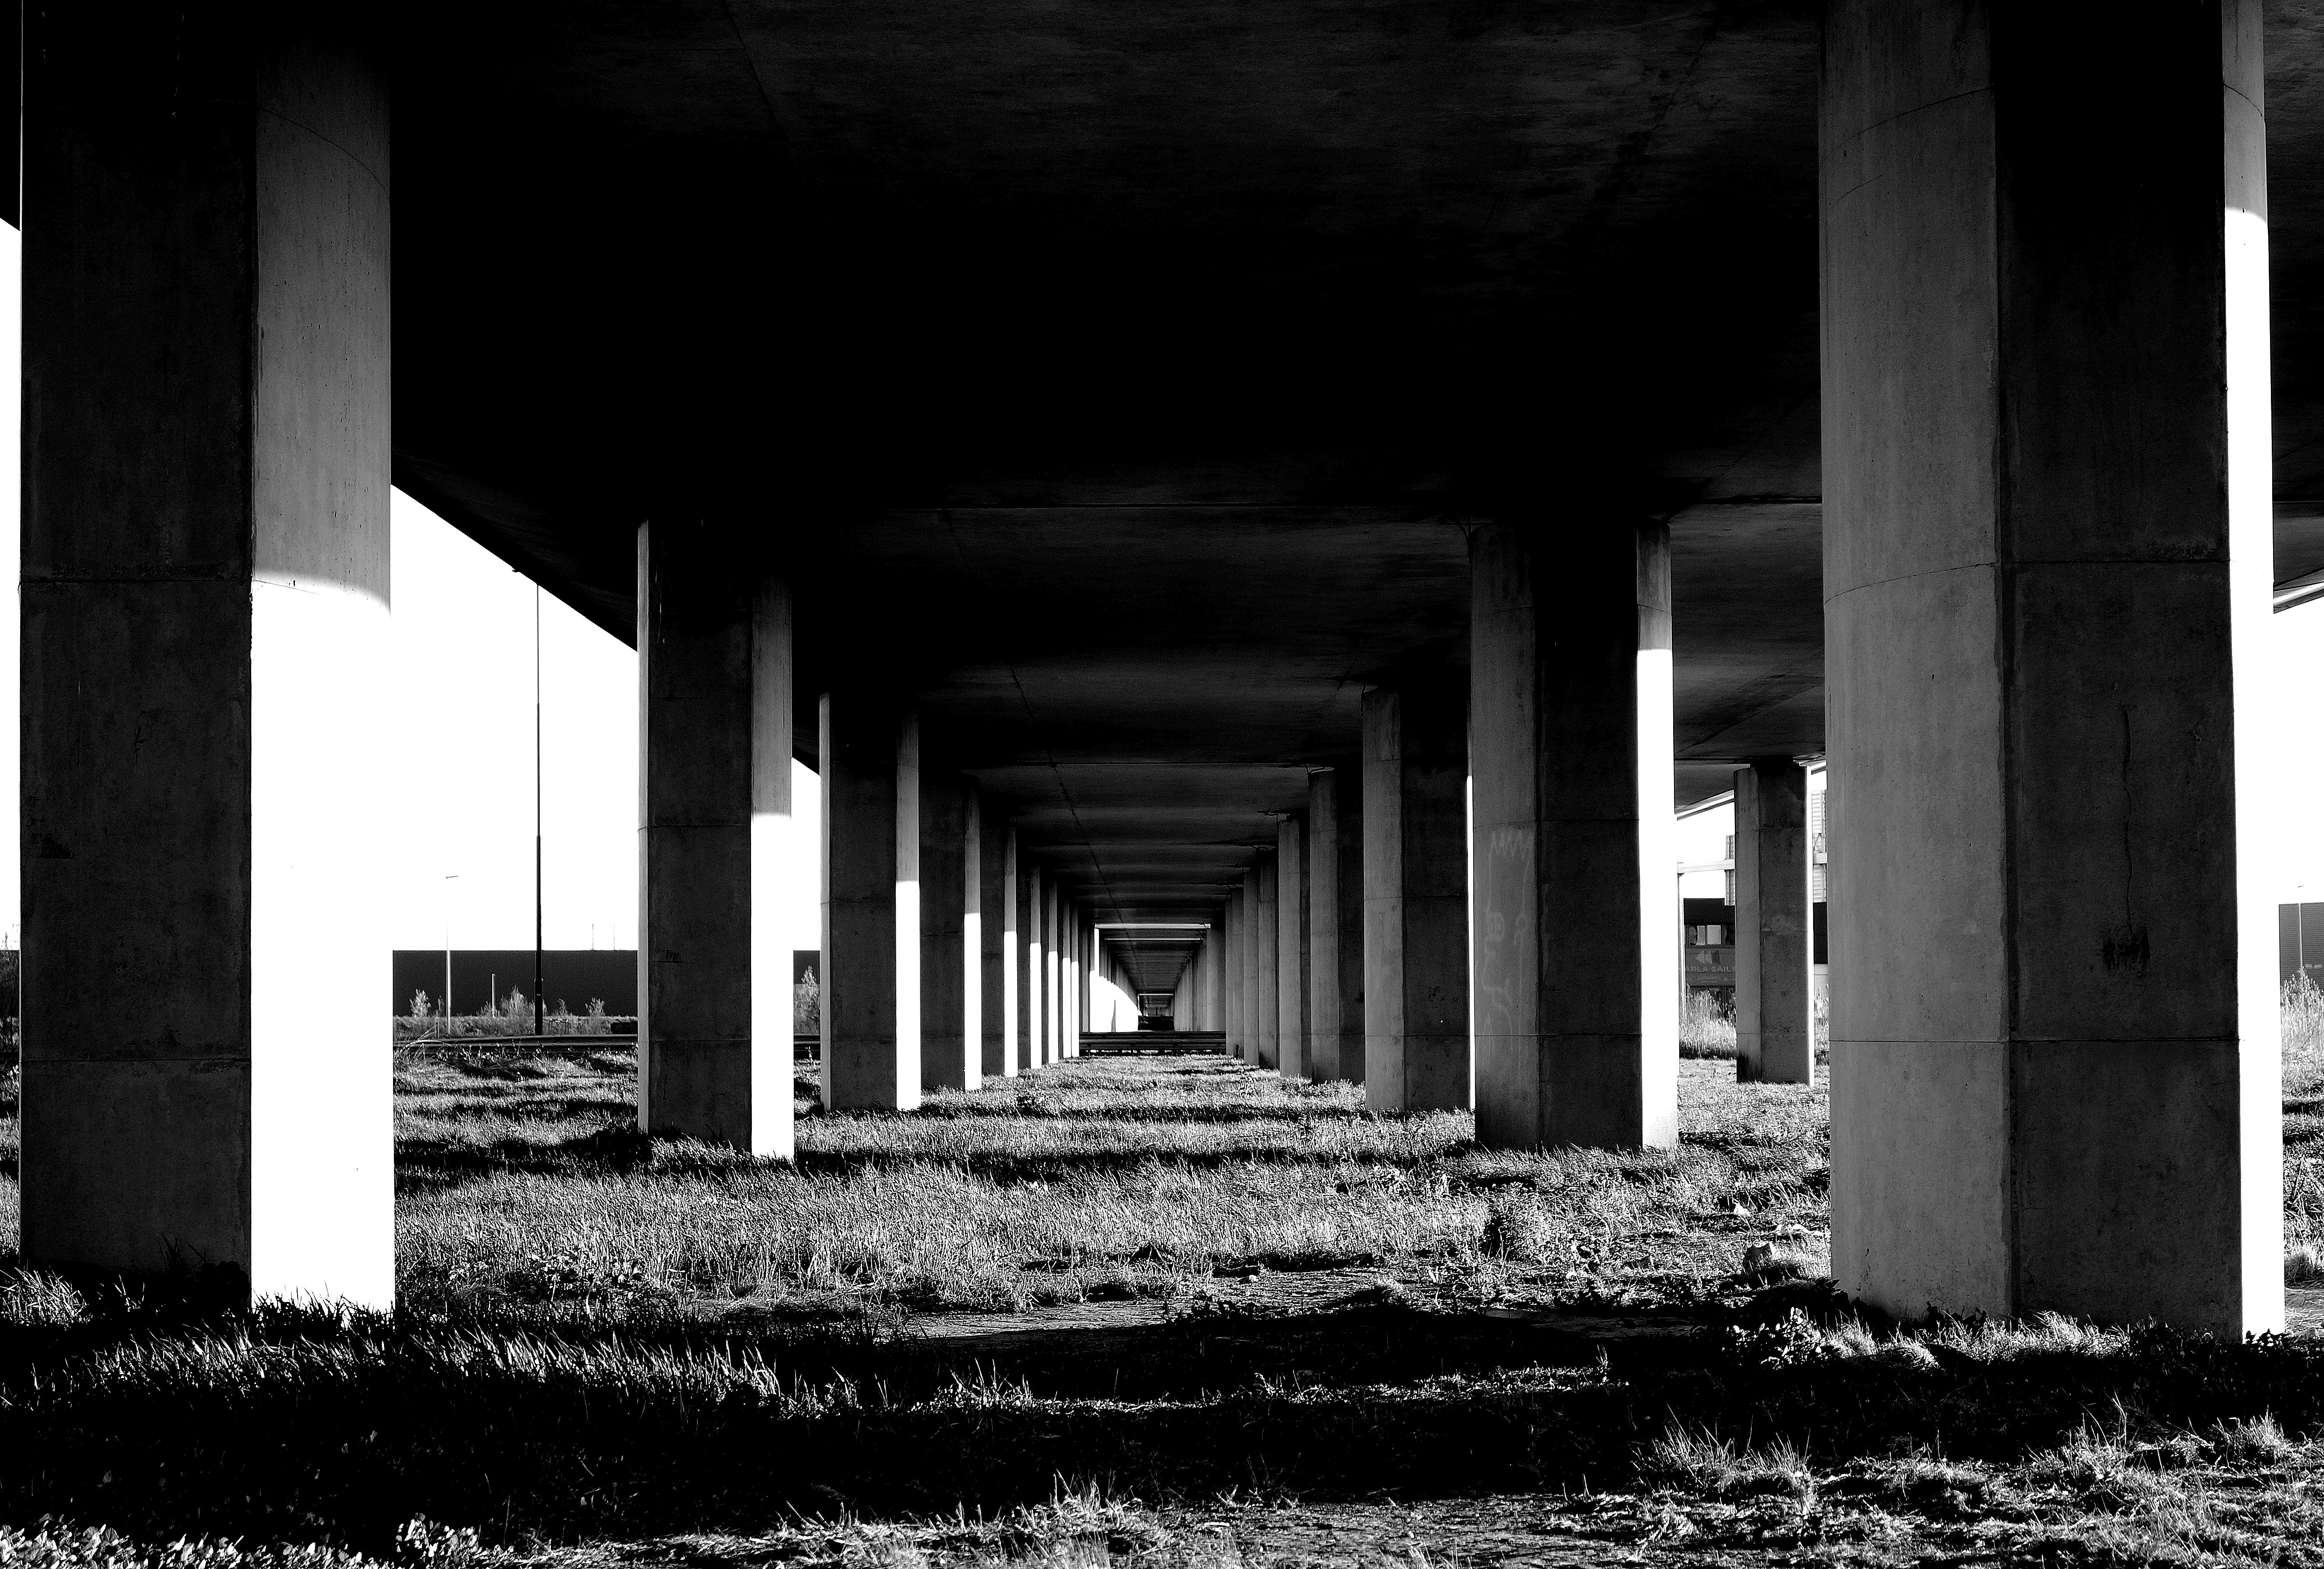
(1122, 379)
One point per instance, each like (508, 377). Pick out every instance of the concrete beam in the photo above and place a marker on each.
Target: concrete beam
(205, 592)
(1577, 914)
(2054, 1074)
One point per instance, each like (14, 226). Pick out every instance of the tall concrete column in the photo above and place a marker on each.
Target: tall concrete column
(1335, 924)
(998, 937)
(1031, 965)
(871, 908)
(2047, 548)
(1576, 972)
(1266, 960)
(952, 1047)
(1416, 897)
(1774, 951)
(715, 756)
(1291, 948)
(205, 589)
(1227, 936)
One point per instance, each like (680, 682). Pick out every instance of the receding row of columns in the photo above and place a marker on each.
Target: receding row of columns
(2046, 499)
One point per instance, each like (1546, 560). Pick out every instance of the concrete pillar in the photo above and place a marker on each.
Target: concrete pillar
(1416, 897)
(952, 1047)
(999, 938)
(1030, 893)
(870, 905)
(1266, 960)
(1069, 981)
(1577, 977)
(1335, 924)
(1774, 950)
(1053, 997)
(205, 589)
(714, 758)
(1291, 948)
(2055, 1066)
(1226, 939)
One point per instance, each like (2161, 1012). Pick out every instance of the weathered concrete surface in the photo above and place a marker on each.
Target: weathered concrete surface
(2054, 1062)
(951, 1051)
(1415, 764)
(714, 683)
(999, 938)
(1576, 965)
(870, 927)
(204, 585)
(1775, 931)
(1293, 1046)
(1266, 962)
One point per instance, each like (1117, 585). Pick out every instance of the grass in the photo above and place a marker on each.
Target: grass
(1150, 1311)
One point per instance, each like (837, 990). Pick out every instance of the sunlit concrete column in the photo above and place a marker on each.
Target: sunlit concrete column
(1291, 948)
(713, 974)
(1335, 924)
(1774, 951)
(871, 909)
(1052, 970)
(205, 592)
(2047, 555)
(1030, 963)
(1415, 770)
(1069, 981)
(998, 937)
(1576, 967)
(1266, 960)
(952, 1047)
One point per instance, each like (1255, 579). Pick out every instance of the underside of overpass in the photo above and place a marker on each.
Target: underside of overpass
(1172, 451)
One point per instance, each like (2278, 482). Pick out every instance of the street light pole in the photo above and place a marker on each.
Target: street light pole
(539, 1014)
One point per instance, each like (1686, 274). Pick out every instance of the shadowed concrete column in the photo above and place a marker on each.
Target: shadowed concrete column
(1291, 948)
(952, 1053)
(1053, 999)
(998, 938)
(1416, 897)
(1227, 938)
(1029, 895)
(871, 909)
(714, 981)
(1336, 924)
(1266, 962)
(205, 591)
(2047, 551)
(1577, 972)
(1775, 957)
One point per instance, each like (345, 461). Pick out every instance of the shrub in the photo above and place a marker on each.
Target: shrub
(1706, 1030)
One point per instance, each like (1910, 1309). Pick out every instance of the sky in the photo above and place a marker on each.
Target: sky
(459, 739)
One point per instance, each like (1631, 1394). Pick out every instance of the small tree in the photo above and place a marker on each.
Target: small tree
(421, 1008)
(807, 1005)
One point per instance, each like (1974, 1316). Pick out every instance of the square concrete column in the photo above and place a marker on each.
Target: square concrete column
(2047, 554)
(1227, 938)
(1031, 965)
(952, 1047)
(1335, 924)
(1052, 993)
(1577, 974)
(714, 758)
(870, 905)
(1266, 960)
(204, 588)
(998, 937)
(1416, 829)
(1774, 951)
(1291, 948)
